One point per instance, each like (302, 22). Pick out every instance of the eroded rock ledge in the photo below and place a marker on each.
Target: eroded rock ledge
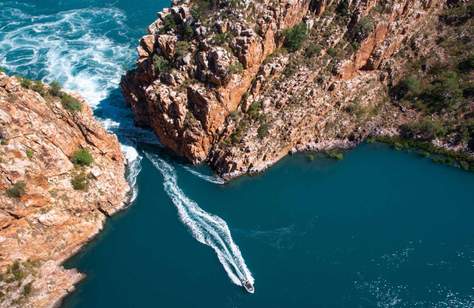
(214, 83)
(49, 206)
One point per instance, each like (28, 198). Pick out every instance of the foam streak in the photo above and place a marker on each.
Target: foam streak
(207, 228)
(208, 178)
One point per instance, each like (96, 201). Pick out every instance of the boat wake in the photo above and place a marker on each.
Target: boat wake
(134, 168)
(208, 178)
(208, 229)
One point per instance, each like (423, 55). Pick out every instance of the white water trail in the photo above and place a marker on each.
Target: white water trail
(134, 168)
(208, 178)
(207, 228)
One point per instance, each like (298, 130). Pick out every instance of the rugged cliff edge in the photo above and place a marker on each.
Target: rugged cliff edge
(240, 84)
(61, 175)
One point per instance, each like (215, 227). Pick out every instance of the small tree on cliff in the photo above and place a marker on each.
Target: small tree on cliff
(17, 190)
(55, 88)
(363, 28)
(160, 64)
(295, 37)
(343, 8)
(82, 157)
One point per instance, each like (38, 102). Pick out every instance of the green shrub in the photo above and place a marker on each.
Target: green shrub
(291, 68)
(470, 144)
(27, 289)
(26, 83)
(29, 153)
(221, 38)
(343, 8)
(409, 86)
(201, 9)
(467, 65)
(55, 88)
(234, 115)
(335, 154)
(363, 28)
(466, 132)
(332, 52)
(17, 190)
(425, 130)
(437, 154)
(312, 50)
(236, 68)
(169, 23)
(295, 37)
(82, 157)
(38, 87)
(254, 110)
(263, 130)
(182, 48)
(160, 64)
(70, 103)
(444, 92)
(458, 13)
(80, 182)
(187, 32)
(468, 91)
(239, 132)
(16, 271)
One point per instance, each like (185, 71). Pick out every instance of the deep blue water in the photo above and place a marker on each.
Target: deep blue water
(380, 228)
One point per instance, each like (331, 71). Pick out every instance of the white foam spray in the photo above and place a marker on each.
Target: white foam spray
(67, 46)
(134, 168)
(208, 178)
(208, 229)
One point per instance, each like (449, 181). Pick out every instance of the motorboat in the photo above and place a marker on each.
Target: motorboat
(248, 286)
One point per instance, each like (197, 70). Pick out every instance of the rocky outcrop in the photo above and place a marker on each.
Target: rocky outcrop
(50, 206)
(212, 55)
(216, 86)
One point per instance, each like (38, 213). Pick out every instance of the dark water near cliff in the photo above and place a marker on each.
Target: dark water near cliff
(379, 229)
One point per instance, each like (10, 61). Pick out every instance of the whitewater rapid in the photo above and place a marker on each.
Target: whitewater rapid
(68, 46)
(206, 228)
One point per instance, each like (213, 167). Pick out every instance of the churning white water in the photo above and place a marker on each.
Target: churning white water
(68, 46)
(207, 228)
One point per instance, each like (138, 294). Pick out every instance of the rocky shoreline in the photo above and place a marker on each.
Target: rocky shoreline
(62, 176)
(239, 84)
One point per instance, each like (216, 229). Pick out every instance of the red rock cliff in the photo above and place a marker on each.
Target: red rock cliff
(49, 206)
(215, 84)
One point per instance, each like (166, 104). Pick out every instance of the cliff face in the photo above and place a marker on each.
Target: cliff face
(212, 55)
(61, 175)
(215, 84)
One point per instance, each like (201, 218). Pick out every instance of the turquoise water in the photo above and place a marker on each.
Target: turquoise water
(379, 229)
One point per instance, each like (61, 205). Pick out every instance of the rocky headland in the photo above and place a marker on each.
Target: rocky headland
(240, 84)
(61, 176)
